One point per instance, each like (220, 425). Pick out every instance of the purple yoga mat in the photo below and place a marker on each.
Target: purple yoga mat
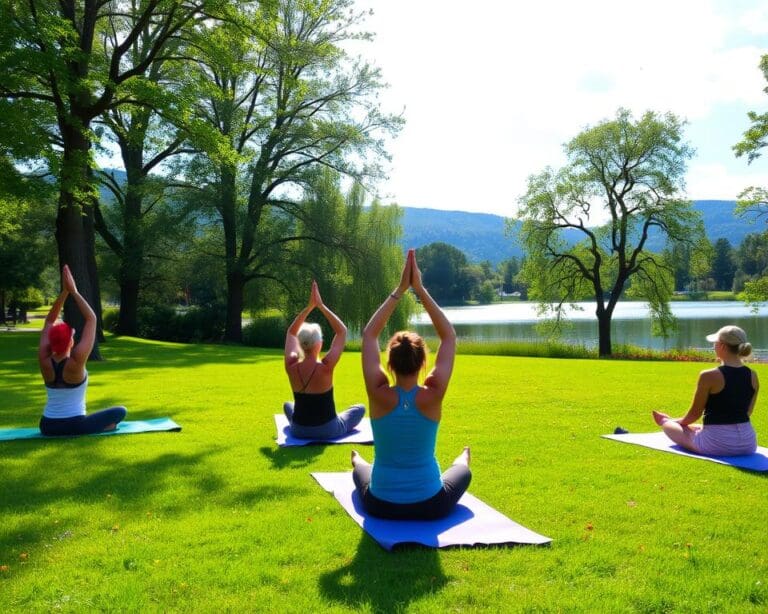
(659, 441)
(472, 523)
(362, 433)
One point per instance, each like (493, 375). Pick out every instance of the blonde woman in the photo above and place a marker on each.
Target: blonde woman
(312, 414)
(725, 396)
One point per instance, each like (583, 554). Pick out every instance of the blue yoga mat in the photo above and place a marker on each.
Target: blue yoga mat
(472, 522)
(659, 441)
(126, 427)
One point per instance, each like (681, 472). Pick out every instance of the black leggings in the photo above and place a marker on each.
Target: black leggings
(82, 425)
(456, 480)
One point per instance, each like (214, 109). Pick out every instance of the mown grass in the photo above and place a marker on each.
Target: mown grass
(217, 518)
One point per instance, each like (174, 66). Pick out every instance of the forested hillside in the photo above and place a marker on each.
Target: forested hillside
(481, 236)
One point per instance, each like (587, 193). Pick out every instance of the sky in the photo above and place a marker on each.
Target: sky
(492, 89)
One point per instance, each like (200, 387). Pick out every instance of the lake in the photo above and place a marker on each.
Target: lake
(631, 323)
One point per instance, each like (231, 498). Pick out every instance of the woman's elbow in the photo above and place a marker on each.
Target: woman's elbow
(450, 334)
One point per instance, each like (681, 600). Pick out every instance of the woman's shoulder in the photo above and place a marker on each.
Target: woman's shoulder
(711, 372)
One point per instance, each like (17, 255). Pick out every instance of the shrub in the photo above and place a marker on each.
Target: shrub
(198, 323)
(109, 318)
(266, 330)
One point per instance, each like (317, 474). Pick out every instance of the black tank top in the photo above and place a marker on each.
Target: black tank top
(58, 376)
(313, 408)
(730, 405)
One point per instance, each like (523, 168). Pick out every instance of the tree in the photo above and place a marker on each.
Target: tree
(628, 172)
(754, 199)
(149, 129)
(52, 78)
(509, 271)
(279, 88)
(446, 272)
(26, 242)
(363, 265)
(723, 264)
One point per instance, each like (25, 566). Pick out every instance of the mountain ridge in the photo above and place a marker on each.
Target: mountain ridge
(482, 236)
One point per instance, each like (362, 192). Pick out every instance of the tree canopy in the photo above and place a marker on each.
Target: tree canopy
(621, 183)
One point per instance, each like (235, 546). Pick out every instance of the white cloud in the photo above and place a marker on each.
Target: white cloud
(491, 93)
(717, 182)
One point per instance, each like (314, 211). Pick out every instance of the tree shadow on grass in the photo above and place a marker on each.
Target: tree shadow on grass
(43, 497)
(122, 353)
(292, 457)
(384, 581)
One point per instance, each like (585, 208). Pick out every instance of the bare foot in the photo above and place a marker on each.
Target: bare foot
(464, 457)
(659, 418)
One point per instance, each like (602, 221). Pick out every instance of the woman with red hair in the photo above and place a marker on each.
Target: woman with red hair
(62, 365)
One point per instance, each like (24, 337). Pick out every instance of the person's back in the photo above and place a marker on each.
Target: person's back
(725, 396)
(731, 405)
(405, 469)
(312, 414)
(404, 481)
(62, 366)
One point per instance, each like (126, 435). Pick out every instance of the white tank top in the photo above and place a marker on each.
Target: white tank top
(66, 402)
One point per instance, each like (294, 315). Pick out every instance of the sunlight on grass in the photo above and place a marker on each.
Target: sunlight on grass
(218, 518)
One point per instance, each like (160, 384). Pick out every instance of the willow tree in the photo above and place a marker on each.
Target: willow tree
(353, 251)
(54, 71)
(587, 226)
(279, 87)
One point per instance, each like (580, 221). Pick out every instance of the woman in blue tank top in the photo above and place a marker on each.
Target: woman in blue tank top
(404, 481)
(725, 396)
(62, 365)
(312, 414)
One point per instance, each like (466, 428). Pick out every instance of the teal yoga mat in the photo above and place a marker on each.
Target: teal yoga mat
(127, 427)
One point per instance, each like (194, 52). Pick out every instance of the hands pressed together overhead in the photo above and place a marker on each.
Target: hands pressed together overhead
(411, 275)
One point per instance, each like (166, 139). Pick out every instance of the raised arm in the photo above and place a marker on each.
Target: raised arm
(292, 346)
(82, 350)
(440, 375)
(44, 349)
(372, 371)
(707, 379)
(339, 329)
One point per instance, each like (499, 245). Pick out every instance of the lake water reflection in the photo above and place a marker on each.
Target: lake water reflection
(631, 323)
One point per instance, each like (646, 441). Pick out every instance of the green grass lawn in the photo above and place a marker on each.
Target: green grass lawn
(217, 518)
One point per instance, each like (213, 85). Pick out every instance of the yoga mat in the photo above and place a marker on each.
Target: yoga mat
(127, 427)
(659, 441)
(471, 523)
(362, 433)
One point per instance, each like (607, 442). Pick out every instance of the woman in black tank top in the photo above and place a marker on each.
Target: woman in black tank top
(725, 396)
(312, 414)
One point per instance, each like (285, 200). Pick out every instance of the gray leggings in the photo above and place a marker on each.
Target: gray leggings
(338, 427)
(455, 479)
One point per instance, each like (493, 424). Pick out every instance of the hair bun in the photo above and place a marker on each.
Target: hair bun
(745, 349)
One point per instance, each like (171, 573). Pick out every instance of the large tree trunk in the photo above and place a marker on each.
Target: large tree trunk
(233, 330)
(233, 327)
(604, 333)
(132, 262)
(75, 232)
(128, 318)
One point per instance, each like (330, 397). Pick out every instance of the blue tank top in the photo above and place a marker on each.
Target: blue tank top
(405, 469)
